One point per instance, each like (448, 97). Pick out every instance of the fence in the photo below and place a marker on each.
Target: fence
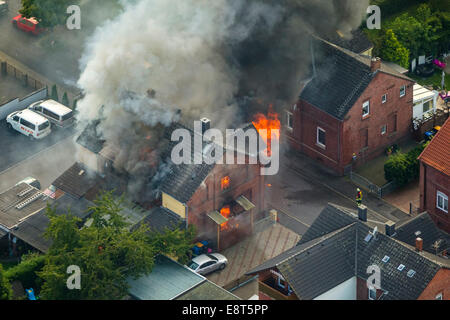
(380, 192)
(19, 104)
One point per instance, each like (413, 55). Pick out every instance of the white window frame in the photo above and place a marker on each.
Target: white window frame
(373, 290)
(366, 104)
(384, 98)
(289, 115)
(444, 199)
(383, 130)
(402, 91)
(320, 144)
(439, 296)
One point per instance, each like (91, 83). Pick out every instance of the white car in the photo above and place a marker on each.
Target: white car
(207, 263)
(56, 112)
(29, 123)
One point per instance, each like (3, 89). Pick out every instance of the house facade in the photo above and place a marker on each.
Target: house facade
(351, 110)
(435, 178)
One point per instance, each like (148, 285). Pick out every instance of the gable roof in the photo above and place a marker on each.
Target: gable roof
(357, 43)
(159, 218)
(429, 233)
(340, 78)
(76, 180)
(437, 153)
(341, 252)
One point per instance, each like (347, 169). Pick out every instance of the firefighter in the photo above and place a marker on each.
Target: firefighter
(358, 197)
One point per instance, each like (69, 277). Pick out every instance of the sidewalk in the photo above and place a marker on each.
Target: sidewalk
(378, 208)
(401, 198)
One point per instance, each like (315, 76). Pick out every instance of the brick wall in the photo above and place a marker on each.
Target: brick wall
(362, 292)
(343, 138)
(431, 181)
(439, 285)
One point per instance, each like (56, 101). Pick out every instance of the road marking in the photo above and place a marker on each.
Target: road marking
(36, 154)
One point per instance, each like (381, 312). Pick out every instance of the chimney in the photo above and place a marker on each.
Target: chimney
(362, 213)
(375, 64)
(206, 124)
(419, 244)
(390, 228)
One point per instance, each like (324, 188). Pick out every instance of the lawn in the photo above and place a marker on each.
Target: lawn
(434, 81)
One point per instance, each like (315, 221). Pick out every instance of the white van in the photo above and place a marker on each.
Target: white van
(54, 111)
(29, 123)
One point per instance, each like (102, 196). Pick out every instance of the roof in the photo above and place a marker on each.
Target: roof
(31, 116)
(207, 290)
(339, 79)
(167, 280)
(421, 93)
(437, 153)
(32, 230)
(343, 250)
(76, 180)
(423, 226)
(2, 233)
(19, 203)
(158, 219)
(90, 138)
(55, 106)
(358, 42)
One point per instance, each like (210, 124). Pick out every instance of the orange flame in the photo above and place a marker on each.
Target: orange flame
(225, 211)
(225, 182)
(269, 123)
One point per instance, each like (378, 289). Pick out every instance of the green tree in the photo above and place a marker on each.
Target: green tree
(5, 287)
(54, 94)
(393, 51)
(49, 13)
(65, 99)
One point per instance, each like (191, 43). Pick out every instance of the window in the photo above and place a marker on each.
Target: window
(51, 114)
(427, 106)
(385, 259)
(27, 124)
(366, 109)
(402, 91)
(38, 108)
(439, 296)
(442, 201)
(16, 118)
(401, 267)
(321, 137)
(372, 294)
(383, 130)
(43, 126)
(384, 98)
(67, 116)
(411, 273)
(289, 120)
(281, 282)
(225, 183)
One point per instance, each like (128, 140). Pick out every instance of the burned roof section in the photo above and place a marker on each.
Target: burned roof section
(358, 42)
(90, 137)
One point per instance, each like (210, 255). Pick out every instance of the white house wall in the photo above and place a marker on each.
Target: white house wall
(344, 291)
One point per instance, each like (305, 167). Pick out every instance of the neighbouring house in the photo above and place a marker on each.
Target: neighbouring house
(435, 178)
(424, 103)
(169, 280)
(221, 200)
(351, 109)
(337, 255)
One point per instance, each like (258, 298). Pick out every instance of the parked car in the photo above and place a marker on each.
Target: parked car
(30, 25)
(207, 263)
(29, 123)
(57, 113)
(31, 181)
(3, 7)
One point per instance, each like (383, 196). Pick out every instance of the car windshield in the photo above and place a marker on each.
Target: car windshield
(212, 257)
(193, 265)
(67, 116)
(44, 126)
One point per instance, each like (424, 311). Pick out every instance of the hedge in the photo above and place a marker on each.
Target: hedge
(26, 270)
(403, 167)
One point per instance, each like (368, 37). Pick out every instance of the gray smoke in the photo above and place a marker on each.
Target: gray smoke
(201, 57)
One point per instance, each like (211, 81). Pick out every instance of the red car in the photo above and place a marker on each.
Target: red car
(30, 25)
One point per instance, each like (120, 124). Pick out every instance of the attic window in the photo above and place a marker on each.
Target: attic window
(411, 273)
(417, 233)
(401, 267)
(385, 259)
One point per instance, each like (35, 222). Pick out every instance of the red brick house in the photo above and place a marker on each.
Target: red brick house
(435, 178)
(352, 104)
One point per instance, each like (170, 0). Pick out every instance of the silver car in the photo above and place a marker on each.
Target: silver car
(207, 263)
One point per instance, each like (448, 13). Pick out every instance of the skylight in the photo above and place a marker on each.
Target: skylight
(385, 259)
(417, 233)
(401, 267)
(411, 273)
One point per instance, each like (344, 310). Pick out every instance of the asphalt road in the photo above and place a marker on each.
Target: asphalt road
(16, 147)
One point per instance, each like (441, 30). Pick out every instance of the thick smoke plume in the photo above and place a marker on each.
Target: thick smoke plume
(200, 57)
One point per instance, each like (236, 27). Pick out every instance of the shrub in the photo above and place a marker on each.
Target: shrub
(26, 270)
(5, 287)
(54, 94)
(403, 167)
(65, 99)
